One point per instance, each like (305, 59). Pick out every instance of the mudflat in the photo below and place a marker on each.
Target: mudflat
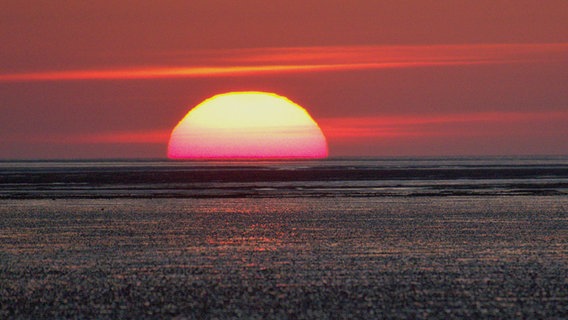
(337, 257)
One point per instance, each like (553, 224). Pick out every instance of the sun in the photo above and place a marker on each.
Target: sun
(247, 125)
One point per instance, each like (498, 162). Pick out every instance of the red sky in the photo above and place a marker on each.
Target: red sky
(108, 79)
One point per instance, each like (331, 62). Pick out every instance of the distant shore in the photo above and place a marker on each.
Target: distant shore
(358, 177)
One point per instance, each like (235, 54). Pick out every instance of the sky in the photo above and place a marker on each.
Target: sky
(111, 79)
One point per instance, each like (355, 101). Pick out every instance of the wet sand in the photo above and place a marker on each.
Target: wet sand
(426, 257)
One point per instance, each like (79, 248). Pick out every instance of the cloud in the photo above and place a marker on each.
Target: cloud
(356, 128)
(112, 137)
(467, 124)
(261, 61)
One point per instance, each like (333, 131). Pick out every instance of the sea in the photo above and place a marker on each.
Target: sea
(340, 238)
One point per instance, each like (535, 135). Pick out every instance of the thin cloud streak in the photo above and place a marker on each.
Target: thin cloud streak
(423, 53)
(252, 62)
(346, 128)
(434, 125)
(113, 137)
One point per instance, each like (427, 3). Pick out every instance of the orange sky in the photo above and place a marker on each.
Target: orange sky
(383, 78)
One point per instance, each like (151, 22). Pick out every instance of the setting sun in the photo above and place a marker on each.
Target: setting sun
(247, 125)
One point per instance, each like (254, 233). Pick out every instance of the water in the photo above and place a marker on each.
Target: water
(341, 238)
(327, 178)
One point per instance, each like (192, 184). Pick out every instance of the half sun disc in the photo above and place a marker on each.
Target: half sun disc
(247, 125)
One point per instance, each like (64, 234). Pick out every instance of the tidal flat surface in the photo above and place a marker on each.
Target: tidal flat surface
(340, 257)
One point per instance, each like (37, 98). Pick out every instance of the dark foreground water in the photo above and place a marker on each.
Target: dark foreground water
(399, 238)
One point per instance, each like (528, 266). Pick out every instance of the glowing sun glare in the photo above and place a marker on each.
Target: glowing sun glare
(247, 125)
